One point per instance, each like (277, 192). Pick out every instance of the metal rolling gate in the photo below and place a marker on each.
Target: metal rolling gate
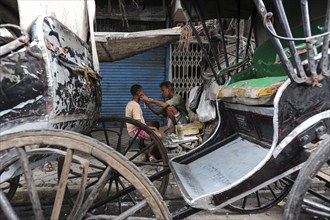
(148, 69)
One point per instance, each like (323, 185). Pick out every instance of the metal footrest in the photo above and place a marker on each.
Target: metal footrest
(218, 170)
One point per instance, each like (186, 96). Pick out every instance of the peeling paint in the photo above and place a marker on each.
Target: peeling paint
(37, 85)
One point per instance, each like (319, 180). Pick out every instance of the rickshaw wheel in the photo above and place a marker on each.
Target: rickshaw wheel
(112, 131)
(305, 197)
(262, 199)
(82, 154)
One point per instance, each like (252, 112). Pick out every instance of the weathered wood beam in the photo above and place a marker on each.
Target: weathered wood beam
(112, 46)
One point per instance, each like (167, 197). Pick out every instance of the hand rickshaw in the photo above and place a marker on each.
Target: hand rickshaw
(273, 111)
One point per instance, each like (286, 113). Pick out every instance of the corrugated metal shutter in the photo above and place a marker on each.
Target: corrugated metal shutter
(147, 69)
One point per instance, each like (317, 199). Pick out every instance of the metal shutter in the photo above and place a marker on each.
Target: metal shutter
(147, 69)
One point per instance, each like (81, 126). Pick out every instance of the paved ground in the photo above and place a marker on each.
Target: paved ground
(272, 214)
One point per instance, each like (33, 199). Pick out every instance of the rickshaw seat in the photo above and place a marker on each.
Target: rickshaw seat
(259, 91)
(258, 84)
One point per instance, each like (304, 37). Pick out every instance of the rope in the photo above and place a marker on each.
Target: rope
(185, 38)
(75, 67)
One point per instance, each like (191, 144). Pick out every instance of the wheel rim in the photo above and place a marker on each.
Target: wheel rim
(73, 147)
(306, 197)
(117, 138)
(262, 199)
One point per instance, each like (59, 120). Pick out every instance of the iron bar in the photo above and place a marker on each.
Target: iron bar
(129, 194)
(238, 29)
(285, 24)
(129, 189)
(277, 44)
(272, 191)
(325, 47)
(274, 34)
(222, 33)
(117, 190)
(159, 174)
(316, 205)
(201, 45)
(244, 202)
(315, 212)
(184, 212)
(258, 198)
(105, 133)
(318, 195)
(133, 140)
(308, 33)
(140, 152)
(250, 34)
(201, 16)
(203, 48)
(119, 138)
(130, 143)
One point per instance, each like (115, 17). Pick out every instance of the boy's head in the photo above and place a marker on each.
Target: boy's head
(136, 90)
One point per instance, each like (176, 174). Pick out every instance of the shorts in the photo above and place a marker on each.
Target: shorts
(142, 134)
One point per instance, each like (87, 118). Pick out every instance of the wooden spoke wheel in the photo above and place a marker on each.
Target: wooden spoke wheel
(262, 199)
(310, 195)
(112, 131)
(44, 191)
